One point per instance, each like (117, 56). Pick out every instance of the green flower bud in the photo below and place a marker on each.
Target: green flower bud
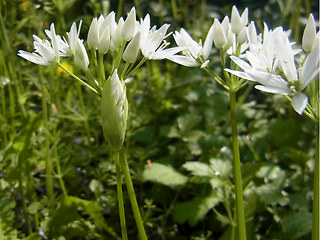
(114, 111)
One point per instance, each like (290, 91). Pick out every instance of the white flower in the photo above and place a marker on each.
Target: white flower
(152, 43)
(45, 53)
(194, 53)
(237, 22)
(116, 36)
(77, 48)
(219, 35)
(309, 34)
(131, 52)
(129, 26)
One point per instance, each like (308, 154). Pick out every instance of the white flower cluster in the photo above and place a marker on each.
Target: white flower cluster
(104, 34)
(271, 58)
(272, 63)
(223, 35)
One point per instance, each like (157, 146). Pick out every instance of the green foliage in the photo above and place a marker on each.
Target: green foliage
(178, 137)
(193, 211)
(163, 174)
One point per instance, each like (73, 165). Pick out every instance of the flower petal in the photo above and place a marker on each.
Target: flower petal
(299, 102)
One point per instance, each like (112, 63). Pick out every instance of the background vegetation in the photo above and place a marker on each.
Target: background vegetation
(178, 137)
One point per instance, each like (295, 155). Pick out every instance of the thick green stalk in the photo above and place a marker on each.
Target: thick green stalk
(49, 169)
(315, 210)
(237, 169)
(132, 196)
(120, 198)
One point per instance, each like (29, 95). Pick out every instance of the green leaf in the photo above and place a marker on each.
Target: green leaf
(192, 135)
(34, 207)
(163, 174)
(68, 214)
(296, 224)
(216, 168)
(194, 210)
(199, 169)
(221, 167)
(188, 121)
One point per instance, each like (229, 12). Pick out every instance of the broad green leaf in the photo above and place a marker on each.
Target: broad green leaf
(34, 207)
(189, 121)
(296, 224)
(192, 135)
(199, 169)
(195, 210)
(221, 167)
(163, 174)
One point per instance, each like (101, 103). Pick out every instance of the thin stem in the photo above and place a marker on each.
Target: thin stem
(216, 77)
(23, 197)
(49, 182)
(223, 64)
(237, 169)
(174, 9)
(120, 198)
(316, 209)
(60, 177)
(77, 78)
(84, 112)
(136, 67)
(132, 196)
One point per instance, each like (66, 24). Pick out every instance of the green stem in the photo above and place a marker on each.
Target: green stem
(77, 78)
(60, 177)
(315, 229)
(216, 77)
(49, 182)
(237, 169)
(84, 112)
(174, 9)
(23, 197)
(132, 196)
(120, 198)
(136, 67)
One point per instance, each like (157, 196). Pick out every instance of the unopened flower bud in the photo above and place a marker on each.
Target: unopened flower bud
(116, 36)
(230, 39)
(104, 41)
(237, 22)
(131, 52)
(309, 34)
(93, 35)
(129, 26)
(219, 37)
(80, 56)
(242, 37)
(114, 111)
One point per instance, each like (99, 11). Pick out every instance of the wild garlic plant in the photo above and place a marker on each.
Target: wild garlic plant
(294, 72)
(271, 59)
(124, 41)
